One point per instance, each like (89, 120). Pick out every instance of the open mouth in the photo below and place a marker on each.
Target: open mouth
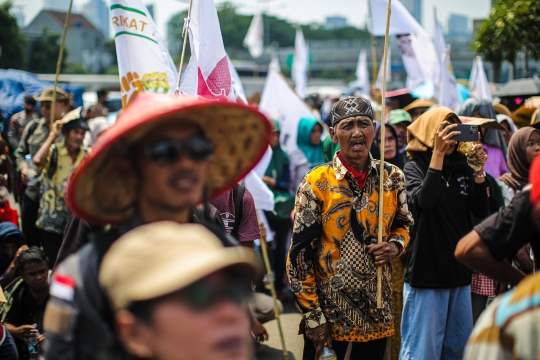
(357, 144)
(231, 344)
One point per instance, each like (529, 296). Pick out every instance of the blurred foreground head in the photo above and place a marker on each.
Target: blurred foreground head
(188, 301)
(534, 180)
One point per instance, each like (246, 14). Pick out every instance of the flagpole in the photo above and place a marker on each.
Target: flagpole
(381, 170)
(268, 267)
(59, 62)
(184, 34)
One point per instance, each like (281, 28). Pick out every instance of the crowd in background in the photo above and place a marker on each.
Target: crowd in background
(38, 157)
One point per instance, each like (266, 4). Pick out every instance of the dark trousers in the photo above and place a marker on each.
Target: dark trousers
(51, 243)
(371, 350)
(479, 304)
(29, 213)
(8, 349)
(281, 229)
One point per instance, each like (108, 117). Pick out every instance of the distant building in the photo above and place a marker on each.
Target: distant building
(458, 25)
(85, 43)
(335, 22)
(59, 5)
(98, 13)
(415, 8)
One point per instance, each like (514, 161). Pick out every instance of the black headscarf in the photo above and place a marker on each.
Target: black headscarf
(396, 160)
(483, 108)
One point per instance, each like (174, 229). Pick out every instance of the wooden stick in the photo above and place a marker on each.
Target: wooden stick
(381, 171)
(185, 35)
(273, 291)
(59, 62)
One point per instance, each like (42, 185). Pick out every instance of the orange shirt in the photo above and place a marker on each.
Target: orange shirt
(332, 275)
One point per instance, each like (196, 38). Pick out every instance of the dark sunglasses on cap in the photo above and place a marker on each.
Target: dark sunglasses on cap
(202, 295)
(166, 151)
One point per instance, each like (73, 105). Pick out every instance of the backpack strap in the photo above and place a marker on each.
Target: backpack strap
(238, 195)
(54, 163)
(33, 126)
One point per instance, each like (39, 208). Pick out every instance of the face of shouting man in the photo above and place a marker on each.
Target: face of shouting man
(354, 135)
(172, 164)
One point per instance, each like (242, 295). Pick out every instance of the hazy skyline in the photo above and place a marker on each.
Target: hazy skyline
(295, 10)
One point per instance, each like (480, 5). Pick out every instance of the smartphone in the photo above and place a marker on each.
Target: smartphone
(468, 132)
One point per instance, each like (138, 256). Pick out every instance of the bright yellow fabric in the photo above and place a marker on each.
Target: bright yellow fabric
(332, 275)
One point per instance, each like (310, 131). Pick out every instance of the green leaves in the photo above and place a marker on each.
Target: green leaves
(509, 30)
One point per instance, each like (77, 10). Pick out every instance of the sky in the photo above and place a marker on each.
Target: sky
(299, 11)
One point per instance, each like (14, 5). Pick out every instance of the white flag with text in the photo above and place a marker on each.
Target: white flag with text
(144, 63)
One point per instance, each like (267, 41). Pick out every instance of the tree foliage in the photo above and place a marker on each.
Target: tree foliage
(12, 41)
(44, 54)
(509, 30)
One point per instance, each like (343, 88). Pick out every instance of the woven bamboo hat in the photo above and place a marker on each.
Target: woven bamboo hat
(102, 188)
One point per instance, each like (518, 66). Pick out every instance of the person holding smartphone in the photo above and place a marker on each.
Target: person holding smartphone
(441, 188)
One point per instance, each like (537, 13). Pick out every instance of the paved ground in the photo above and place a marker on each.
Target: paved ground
(272, 350)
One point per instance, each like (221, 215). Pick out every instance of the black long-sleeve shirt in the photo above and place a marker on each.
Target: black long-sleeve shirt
(440, 203)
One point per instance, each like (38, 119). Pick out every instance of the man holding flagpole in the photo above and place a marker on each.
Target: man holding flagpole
(334, 255)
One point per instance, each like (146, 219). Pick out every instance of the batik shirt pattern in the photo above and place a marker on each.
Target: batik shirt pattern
(53, 213)
(332, 276)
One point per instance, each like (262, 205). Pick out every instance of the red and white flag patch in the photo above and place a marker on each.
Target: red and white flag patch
(63, 287)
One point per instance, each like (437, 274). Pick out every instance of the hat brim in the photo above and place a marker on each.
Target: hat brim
(166, 278)
(419, 104)
(101, 189)
(43, 98)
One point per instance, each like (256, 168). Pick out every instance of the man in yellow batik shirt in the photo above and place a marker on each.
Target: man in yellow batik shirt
(334, 255)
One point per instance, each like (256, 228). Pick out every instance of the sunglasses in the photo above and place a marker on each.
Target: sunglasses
(167, 151)
(202, 295)
(45, 106)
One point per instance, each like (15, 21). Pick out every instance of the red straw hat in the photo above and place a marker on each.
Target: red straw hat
(534, 180)
(102, 188)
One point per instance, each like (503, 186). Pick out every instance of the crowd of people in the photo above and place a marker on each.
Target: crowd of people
(140, 240)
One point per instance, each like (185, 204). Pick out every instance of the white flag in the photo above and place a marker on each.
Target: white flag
(388, 70)
(417, 50)
(299, 71)
(478, 83)
(208, 74)
(440, 48)
(255, 36)
(236, 85)
(362, 74)
(144, 63)
(438, 37)
(275, 62)
(401, 21)
(262, 195)
(448, 94)
(280, 102)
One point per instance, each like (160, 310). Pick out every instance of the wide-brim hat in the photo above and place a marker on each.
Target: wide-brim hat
(102, 190)
(176, 256)
(419, 103)
(47, 95)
